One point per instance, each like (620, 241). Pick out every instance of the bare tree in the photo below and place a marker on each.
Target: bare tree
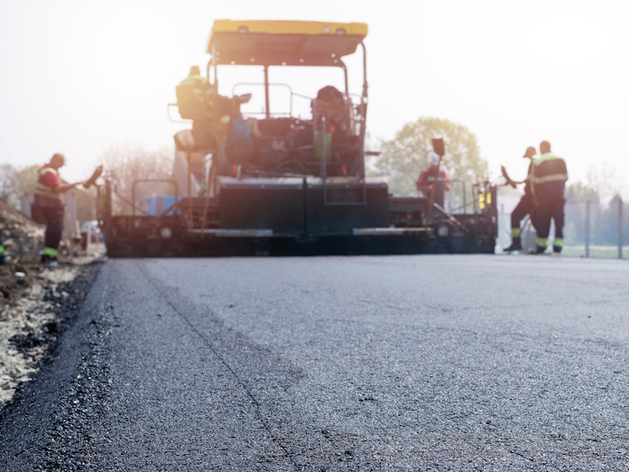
(128, 163)
(606, 180)
(15, 182)
(7, 181)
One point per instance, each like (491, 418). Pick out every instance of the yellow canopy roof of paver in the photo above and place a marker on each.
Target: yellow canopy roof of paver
(264, 42)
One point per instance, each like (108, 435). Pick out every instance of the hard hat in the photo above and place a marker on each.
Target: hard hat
(530, 149)
(434, 159)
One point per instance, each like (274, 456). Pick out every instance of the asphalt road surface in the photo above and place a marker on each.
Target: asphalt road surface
(410, 363)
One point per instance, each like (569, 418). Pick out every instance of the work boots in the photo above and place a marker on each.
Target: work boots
(49, 260)
(516, 245)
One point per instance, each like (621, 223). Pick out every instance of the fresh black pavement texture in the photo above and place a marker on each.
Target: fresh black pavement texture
(337, 363)
(29, 422)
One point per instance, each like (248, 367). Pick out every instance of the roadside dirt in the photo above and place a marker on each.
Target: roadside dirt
(36, 302)
(22, 237)
(15, 279)
(32, 322)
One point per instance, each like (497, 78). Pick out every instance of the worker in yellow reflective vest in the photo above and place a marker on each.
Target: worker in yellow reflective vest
(50, 201)
(548, 184)
(199, 82)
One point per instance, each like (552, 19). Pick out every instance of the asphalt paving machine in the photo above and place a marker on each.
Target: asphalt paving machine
(272, 180)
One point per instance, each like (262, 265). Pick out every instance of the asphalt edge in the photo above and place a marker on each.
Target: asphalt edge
(33, 421)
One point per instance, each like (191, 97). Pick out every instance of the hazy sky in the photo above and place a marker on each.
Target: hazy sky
(77, 76)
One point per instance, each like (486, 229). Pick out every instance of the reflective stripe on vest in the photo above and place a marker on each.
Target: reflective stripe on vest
(549, 174)
(44, 190)
(194, 80)
(550, 178)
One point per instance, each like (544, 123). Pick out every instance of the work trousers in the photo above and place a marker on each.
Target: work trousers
(550, 206)
(54, 226)
(519, 212)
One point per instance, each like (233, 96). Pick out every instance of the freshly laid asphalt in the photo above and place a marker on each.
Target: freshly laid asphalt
(411, 363)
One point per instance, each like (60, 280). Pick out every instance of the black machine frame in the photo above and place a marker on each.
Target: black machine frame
(247, 210)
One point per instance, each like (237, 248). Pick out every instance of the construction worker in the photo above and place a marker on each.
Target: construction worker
(524, 207)
(434, 180)
(548, 184)
(49, 199)
(195, 78)
(200, 83)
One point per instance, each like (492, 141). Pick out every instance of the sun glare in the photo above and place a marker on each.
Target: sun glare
(130, 53)
(125, 59)
(125, 49)
(569, 41)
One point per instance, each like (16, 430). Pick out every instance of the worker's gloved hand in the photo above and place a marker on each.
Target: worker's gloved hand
(506, 176)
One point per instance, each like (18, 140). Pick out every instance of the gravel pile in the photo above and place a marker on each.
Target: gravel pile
(33, 298)
(29, 325)
(21, 236)
(22, 239)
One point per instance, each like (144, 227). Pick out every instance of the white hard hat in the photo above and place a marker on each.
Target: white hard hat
(434, 159)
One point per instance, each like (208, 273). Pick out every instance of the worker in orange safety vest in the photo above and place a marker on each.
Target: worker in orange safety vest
(50, 201)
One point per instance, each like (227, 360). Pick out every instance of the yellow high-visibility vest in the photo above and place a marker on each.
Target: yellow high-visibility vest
(44, 190)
